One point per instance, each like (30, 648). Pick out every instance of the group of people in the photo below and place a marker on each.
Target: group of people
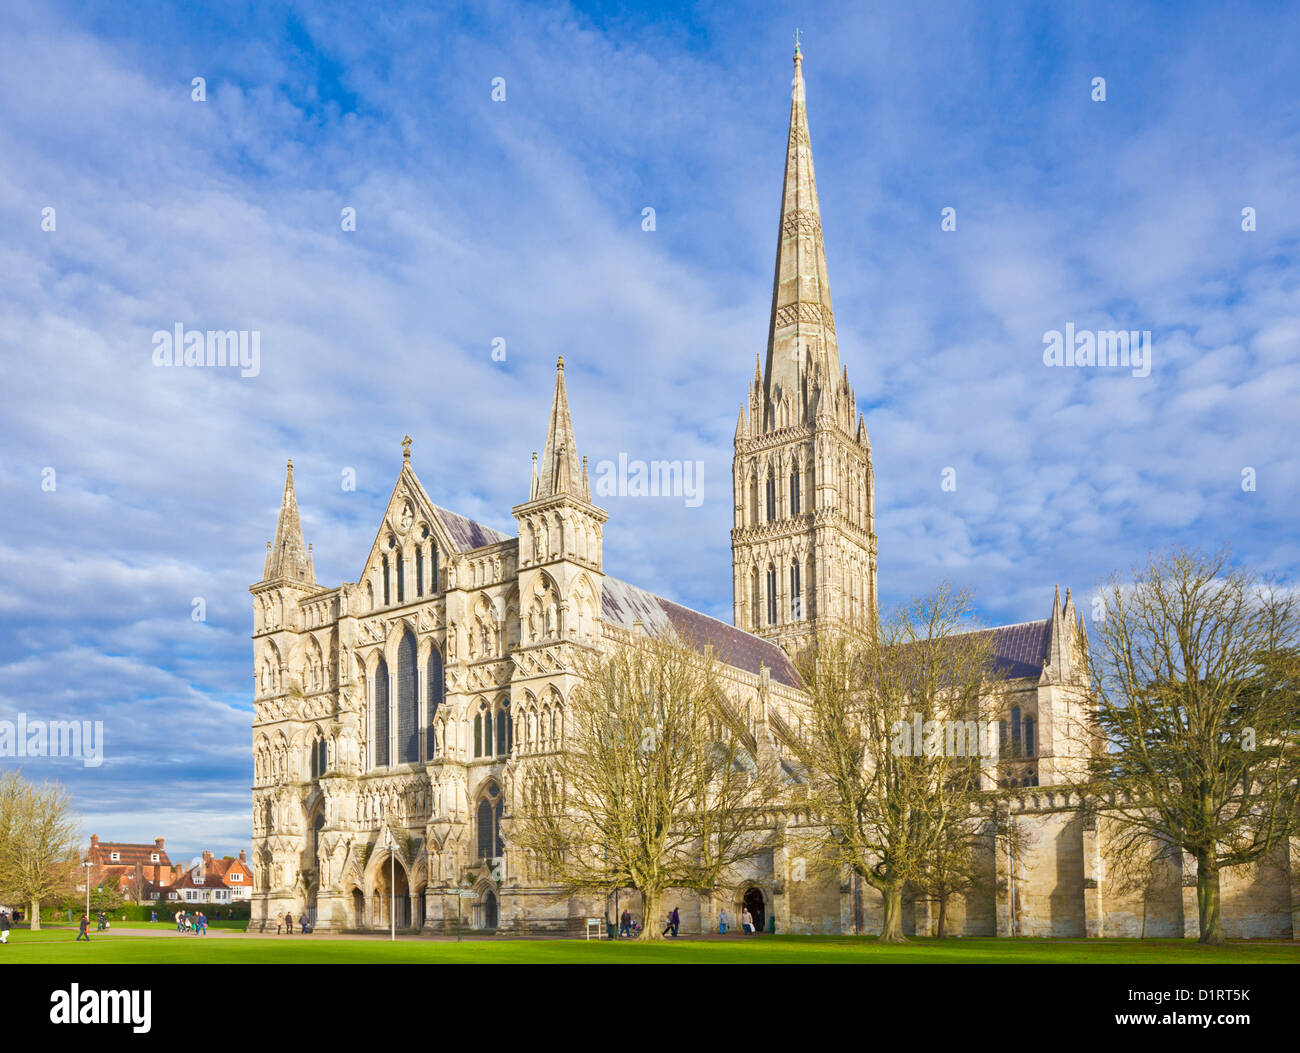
(304, 925)
(746, 921)
(628, 926)
(195, 923)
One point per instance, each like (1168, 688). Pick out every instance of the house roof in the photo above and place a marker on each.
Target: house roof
(128, 855)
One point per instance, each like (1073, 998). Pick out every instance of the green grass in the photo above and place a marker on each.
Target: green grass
(146, 944)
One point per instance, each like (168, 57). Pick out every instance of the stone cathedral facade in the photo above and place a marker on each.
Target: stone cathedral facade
(391, 713)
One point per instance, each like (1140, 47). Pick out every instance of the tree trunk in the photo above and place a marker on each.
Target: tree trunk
(1207, 898)
(943, 916)
(651, 924)
(35, 915)
(892, 929)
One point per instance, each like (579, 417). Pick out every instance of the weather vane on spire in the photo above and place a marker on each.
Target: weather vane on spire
(796, 38)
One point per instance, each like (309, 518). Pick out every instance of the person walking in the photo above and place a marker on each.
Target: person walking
(677, 920)
(668, 924)
(4, 926)
(722, 922)
(747, 921)
(304, 926)
(625, 924)
(84, 933)
(203, 924)
(288, 922)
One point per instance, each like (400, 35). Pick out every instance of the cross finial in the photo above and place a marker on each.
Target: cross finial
(406, 448)
(796, 38)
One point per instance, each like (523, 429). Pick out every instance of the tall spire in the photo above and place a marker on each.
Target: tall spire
(561, 467)
(288, 556)
(802, 327)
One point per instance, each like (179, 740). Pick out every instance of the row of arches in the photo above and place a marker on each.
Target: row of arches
(780, 593)
(546, 536)
(307, 670)
(777, 487)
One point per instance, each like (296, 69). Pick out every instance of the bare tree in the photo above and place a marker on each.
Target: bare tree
(1195, 682)
(38, 843)
(891, 744)
(963, 858)
(659, 786)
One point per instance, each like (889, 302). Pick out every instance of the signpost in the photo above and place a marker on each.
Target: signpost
(465, 891)
(392, 883)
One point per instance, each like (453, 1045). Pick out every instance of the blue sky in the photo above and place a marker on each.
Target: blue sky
(522, 220)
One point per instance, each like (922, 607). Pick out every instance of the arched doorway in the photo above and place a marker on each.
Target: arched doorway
(391, 902)
(489, 914)
(358, 909)
(753, 902)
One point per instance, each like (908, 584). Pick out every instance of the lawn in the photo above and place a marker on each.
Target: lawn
(147, 944)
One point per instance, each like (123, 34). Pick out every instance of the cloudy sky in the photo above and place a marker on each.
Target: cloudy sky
(131, 490)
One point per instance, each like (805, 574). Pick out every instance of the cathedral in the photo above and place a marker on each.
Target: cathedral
(390, 713)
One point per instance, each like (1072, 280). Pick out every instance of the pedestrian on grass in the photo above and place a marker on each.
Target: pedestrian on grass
(747, 921)
(4, 926)
(722, 922)
(288, 922)
(668, 924)
(625, 924)
(84, 933)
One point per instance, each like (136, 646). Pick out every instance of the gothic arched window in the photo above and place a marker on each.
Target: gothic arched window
(381, 715)
(433, 568)
(436, 689)
(408, 701)
(1029, 737)
(796, 593)
(387, 598)
(771, 594)
(488, 820)
(794, 492)
(482, 731)
(419, 570)
(505, 734)
(771, 497)
(1015, 731)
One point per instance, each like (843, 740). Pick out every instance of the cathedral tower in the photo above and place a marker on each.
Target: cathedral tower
(803, 543)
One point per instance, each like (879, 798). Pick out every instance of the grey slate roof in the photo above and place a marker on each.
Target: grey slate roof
(1021, 650)
(624, 604)
(467, 534)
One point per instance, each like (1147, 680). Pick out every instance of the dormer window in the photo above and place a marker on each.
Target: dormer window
(113, 857)
(154, 858)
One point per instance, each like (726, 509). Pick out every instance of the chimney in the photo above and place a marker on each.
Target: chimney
(207, 857)
(243, 857)
(94, 841)
(158, 841)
